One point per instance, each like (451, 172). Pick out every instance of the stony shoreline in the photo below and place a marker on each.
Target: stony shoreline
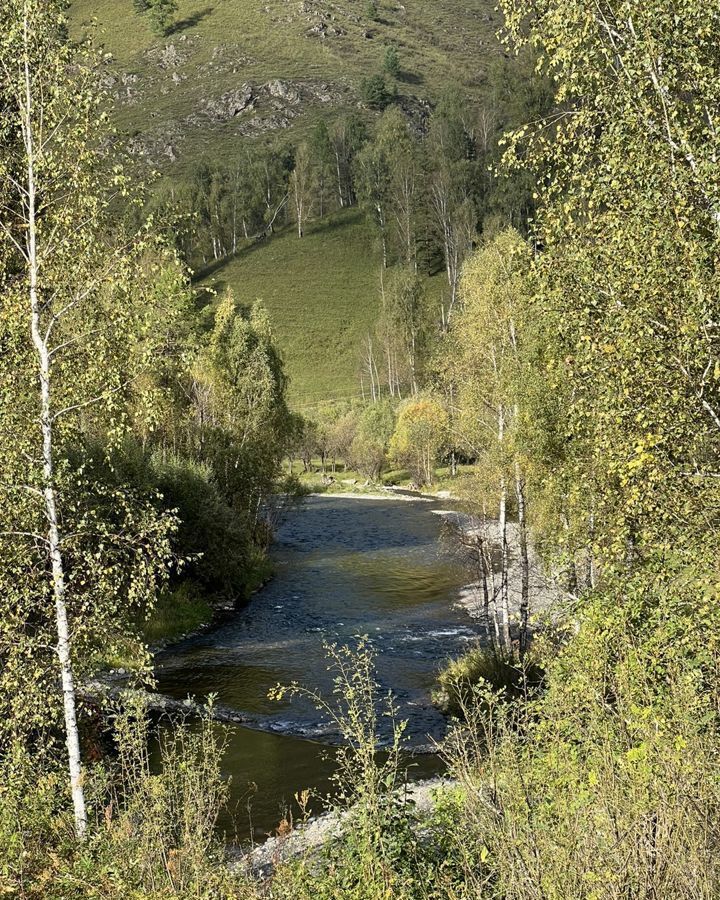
(310, 837)
(544, 592)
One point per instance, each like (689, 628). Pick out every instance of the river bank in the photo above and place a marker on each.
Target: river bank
(310, 837)
(543, 589)
(344, 566)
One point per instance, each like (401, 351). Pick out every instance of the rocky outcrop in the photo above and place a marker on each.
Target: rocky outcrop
(170, 56)
(281, 99)
(231, 104)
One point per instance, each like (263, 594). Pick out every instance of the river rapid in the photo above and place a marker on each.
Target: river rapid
(345, 567)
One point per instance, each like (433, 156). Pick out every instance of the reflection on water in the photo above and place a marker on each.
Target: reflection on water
(344, 567)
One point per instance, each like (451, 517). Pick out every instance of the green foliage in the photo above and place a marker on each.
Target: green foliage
(375, 93)
(159, 13)
(151, 832)
(391, 61)
(76, 325)
(374, 855)
(461, 681)
(371, 440)
(178, 612)
(595, 782)
(420, 437)
(213, 537)
(629, 350)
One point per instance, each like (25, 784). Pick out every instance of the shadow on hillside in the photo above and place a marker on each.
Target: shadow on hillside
(410, 78)
(335, 222)
(332, 223)
(217, 264)
(190, 21)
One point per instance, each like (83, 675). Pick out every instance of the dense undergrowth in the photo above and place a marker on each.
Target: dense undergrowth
(606, 786)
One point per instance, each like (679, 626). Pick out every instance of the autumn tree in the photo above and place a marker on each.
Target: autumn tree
(79, 553)
(420, 437)
(371, 440)
(628, 276)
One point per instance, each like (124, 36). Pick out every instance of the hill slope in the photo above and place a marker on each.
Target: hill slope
(236, 72)
(323, 297)
(232, 69)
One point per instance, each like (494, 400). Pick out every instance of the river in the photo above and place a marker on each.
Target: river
(344, 567)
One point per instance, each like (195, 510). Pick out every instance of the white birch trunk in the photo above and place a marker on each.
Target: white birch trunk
(63, 648)
(524, 559)
(504, 555)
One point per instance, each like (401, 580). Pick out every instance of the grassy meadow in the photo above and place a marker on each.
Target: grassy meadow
(323, 296)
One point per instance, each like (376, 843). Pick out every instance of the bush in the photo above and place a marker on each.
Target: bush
(375, 92)
(391, 63)
(608, 786)
(212, 536)
(375, 854)
(151, 835)
(483, 667)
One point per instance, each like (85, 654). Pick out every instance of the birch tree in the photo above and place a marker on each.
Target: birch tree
(627, 282)
(454, 188)
(302, 182)
(71, 327)
(488, 371)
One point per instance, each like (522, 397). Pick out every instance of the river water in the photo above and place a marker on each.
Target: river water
(344, 567)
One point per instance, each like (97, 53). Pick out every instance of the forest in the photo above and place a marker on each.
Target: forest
(530, 330)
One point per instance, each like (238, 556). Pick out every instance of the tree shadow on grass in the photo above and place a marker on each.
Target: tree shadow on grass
(410, 78)
(189, 21)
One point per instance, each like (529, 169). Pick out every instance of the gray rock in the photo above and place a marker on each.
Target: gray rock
(231, 104)
(283, 90)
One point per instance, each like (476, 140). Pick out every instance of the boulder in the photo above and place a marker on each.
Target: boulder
(231, 104)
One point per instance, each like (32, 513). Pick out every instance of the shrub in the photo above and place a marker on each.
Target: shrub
(483, 666)
(151, 833)
(608, 785)
(374, 855)
(212, 536)
(391, 62)
(375, 93)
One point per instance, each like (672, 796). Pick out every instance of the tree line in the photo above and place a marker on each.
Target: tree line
(424, 185)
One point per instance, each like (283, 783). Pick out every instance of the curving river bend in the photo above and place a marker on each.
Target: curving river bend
(344, 567)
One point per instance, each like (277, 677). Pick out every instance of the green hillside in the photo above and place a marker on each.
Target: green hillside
(234, 73)
(171, 92)
(323, 297)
